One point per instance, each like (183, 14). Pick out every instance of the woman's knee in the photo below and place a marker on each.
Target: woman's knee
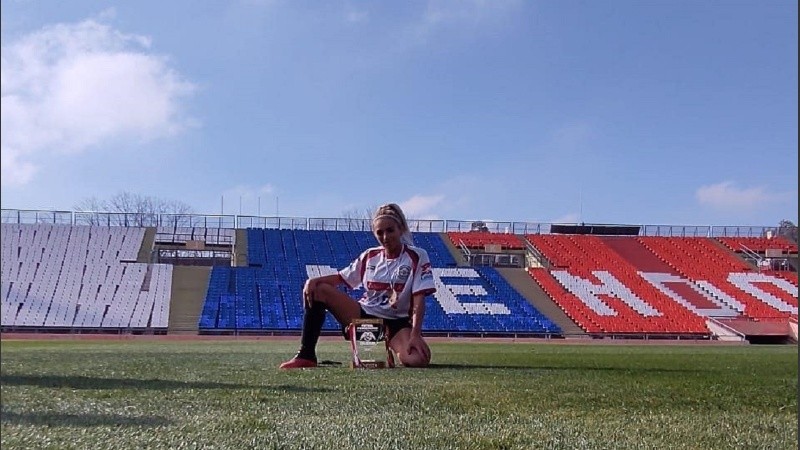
(414, 359)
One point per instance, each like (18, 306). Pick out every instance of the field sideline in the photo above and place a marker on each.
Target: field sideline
(228, 394)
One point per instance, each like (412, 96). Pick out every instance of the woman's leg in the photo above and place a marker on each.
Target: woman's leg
(326, 298)
(399, 343)
(343, 307)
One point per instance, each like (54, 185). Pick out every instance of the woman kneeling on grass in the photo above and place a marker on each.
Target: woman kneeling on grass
(396, 276)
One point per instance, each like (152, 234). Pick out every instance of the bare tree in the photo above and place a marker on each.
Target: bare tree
(135, 210)
(788, 230)
(91, 211)
(359, 219)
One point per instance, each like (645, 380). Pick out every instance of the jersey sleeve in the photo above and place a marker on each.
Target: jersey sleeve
(423, 276)
(353, 274)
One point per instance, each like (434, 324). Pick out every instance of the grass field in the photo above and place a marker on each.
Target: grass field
(129, 394)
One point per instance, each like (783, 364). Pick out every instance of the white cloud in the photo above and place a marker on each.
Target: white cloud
(726, 195)
(70, 87)
(22, 171)
(567, 218)
(441, 14)
(107, 14)
(354, 14)
(422, 207)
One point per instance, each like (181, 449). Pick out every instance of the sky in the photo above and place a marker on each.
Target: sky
(674, 112)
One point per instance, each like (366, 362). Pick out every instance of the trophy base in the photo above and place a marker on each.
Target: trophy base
(368, 365)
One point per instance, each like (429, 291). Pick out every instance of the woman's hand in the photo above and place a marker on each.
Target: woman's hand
(416, 344)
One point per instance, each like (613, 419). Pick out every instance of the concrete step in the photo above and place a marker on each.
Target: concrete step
(520, 280)
(189, 285)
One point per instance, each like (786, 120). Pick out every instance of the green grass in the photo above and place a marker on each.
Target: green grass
(229, 395)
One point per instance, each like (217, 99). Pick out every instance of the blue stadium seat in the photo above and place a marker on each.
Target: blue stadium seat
(267, 294)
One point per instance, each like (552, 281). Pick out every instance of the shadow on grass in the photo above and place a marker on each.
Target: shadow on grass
(556, 368)
(82, 382)
(55, 419)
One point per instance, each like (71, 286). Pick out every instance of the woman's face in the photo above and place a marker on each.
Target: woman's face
(387, 232)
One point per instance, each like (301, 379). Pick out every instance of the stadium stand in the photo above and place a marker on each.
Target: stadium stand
(480, 239)
(267, 294)
(182, 235)
(758, 244)
(603, 292)
(81, 277)
(66, 277)
(791, 277)
(438, 252)
(726, 276)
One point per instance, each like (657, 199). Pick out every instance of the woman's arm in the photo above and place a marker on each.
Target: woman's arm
(416, 343)
(417, 314)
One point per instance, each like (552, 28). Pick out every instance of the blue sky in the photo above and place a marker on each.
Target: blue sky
(640, 112)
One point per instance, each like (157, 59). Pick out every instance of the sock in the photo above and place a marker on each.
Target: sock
(313, 319)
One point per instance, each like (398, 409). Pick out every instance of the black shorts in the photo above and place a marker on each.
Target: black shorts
(392, 325)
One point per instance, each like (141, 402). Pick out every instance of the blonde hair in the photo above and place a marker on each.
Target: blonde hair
(393, 211)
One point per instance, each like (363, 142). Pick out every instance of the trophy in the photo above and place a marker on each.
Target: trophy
(368, 341)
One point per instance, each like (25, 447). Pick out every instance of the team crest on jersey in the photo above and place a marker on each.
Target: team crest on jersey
(403, 272)
(427, 272)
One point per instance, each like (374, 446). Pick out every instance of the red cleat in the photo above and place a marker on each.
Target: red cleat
(298, 363)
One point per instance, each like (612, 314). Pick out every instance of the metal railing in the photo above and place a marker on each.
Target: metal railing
(342, 224)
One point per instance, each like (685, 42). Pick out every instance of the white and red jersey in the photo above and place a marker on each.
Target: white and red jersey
(408, 274)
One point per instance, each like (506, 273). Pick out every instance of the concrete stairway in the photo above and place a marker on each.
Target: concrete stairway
(189, 285)
(240, 249)
(520, 280)
(723, 332)
(146, 250)
(454, 250)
